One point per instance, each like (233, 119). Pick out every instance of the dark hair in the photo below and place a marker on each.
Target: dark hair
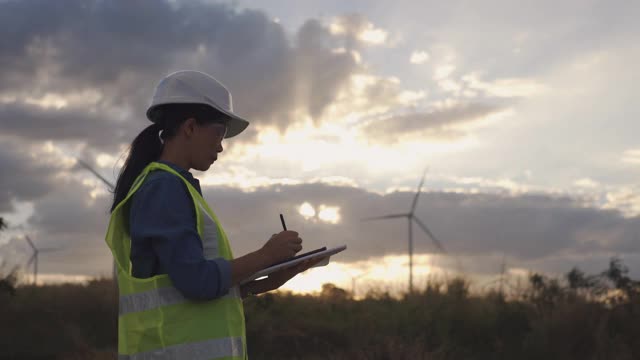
(147, 147)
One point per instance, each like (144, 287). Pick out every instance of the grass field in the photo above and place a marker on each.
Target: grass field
(576, 317)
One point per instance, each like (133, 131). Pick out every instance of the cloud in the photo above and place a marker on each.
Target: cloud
(546, 35)
(358, 29)
(366, 95)
(631, 156)
(120, 50)
(327, 72)
(419, 57)
(624, 199)
(586, 183)
(528, 229)
(509, 87)
(437, 123)
(26, 175)
(442, 72)
(74, 221)
(70, 123)
(80, 75)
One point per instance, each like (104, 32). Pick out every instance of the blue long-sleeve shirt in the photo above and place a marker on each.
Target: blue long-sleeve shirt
(165, 240)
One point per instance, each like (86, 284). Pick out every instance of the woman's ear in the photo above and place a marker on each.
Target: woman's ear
(189, 127)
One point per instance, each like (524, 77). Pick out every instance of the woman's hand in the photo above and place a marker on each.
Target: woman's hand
(282, 246)
(280, 277)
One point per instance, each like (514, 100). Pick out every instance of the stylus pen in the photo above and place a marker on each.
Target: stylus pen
(283, 224)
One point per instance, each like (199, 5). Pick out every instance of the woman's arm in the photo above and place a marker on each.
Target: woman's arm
(162, 227)
(245, 266)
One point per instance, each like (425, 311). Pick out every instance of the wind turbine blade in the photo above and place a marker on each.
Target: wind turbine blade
(30, 242)
(94, 172)
(433, 238)
(415, 199)
(385, 217)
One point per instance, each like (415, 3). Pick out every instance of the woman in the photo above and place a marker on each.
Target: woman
(180, 292)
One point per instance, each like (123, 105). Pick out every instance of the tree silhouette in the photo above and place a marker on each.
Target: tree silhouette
(617, 274)
(7, 281)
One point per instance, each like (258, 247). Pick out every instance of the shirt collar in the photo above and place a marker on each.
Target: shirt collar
(186, 174)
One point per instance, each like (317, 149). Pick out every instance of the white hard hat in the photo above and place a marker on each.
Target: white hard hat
(195, 87)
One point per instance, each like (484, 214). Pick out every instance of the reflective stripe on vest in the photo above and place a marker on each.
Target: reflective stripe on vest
(210, 349)
(159, 297)
(155, 319)
(210, 240)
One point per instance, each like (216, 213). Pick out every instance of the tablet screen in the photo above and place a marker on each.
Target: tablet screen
(301, 255)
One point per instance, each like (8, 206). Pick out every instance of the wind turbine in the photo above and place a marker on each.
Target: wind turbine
(112, 187)
(410, 218)
(97, 174)
(34, 258)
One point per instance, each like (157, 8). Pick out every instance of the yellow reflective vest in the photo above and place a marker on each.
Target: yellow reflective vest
(155, 320)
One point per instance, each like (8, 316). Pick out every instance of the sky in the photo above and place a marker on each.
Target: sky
(521, 115)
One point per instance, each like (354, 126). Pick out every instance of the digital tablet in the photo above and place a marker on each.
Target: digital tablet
(318, 253)
(299, 256)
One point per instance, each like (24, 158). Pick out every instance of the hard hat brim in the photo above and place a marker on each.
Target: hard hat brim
(235, 124)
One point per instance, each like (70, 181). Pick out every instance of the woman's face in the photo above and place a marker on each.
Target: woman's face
(206, 144)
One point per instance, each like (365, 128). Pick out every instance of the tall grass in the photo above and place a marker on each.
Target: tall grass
(67, 321)
(598, 318)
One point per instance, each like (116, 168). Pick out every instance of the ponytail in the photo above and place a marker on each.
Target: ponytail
(145, 148)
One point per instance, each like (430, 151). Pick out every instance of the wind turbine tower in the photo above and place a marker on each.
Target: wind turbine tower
(34, 258)
(411, 218)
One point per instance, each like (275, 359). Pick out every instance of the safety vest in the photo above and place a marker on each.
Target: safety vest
(155, 320)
